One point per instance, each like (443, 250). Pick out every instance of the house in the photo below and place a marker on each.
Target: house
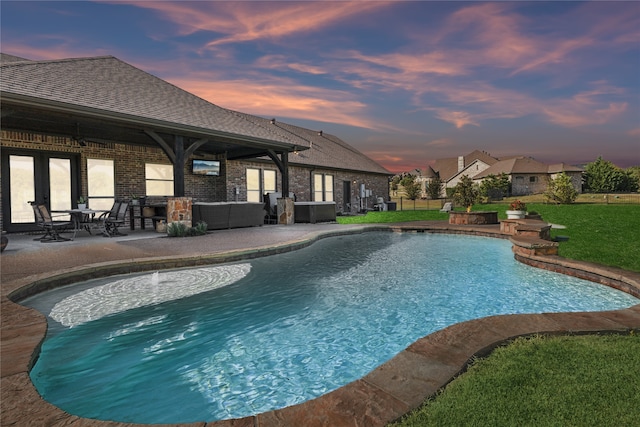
(101, 128)
(527, 175)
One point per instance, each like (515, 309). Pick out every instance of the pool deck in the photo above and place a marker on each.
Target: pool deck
(383, 395)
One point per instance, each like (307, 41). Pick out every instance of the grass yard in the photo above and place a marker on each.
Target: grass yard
(543, 381)
(604, 234)
(548, 381)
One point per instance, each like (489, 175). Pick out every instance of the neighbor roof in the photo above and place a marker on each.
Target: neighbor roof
(562, 167)
(106, 87)
(325, 150)
(514, 165)
(447, 168)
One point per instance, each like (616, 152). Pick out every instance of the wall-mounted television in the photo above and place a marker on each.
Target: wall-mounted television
(206, 167)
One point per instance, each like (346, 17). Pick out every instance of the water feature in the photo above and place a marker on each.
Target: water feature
(280, 330)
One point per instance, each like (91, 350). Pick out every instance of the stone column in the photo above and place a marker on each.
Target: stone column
(285, 211)
(179, 210)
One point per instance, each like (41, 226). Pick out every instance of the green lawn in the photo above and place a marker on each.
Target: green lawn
(548, 381)
(543, 381)
(605, 234)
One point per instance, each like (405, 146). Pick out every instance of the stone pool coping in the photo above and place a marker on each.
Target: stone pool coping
(383, 395)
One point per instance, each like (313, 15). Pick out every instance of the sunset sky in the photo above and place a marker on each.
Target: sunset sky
(404, 82)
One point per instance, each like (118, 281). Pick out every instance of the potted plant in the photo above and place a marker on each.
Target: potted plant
(82, 203)
(134, 200)
(517, 210)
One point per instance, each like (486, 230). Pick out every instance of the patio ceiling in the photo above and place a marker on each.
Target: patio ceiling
(82, 124)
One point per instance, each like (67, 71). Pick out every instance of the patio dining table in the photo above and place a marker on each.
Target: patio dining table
(82, 219)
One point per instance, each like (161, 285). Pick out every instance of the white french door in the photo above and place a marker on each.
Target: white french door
(35, 176)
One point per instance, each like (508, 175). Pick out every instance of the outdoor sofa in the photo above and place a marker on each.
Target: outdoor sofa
(314, 211)
(221, 215)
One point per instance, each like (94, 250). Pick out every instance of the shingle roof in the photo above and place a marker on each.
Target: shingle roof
(325, 150)
(6, 58)
(113, 87)
(329, 151)
(447, 168)
(562, 167)
(513, 166)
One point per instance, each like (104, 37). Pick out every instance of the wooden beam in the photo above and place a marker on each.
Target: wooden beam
(165, 146)
(193, 147)
(274, 156)
(282, 163)
(178, 166)
(285, 174)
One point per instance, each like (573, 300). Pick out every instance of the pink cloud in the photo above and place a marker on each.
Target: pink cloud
(247, 21)
(586, 108)
(280, 62)
(441, 142)
(458, 118)
(281, 99)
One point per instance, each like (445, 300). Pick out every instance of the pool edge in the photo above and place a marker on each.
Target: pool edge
(381, 396)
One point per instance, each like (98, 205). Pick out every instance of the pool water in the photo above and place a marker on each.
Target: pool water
(292, 326)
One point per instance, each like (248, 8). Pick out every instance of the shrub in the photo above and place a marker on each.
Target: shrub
(411, 187)
(495, 187)
(466, 193)
(434, 188)
(561, 190)
(180, 229)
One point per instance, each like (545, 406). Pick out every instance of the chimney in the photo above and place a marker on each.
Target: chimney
(460, 163)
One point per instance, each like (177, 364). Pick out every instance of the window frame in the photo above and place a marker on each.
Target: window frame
(101, 201)
(323, 187)
(263, 176)
(148, 180)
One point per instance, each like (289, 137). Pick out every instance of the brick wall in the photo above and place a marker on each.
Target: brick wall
(129, 165)
(301, 178)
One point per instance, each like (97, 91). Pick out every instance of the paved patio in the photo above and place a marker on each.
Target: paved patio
(396, 387)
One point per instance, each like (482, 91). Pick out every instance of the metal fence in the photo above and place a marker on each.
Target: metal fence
(406, 204)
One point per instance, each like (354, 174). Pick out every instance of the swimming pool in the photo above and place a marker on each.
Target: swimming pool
(295, 326)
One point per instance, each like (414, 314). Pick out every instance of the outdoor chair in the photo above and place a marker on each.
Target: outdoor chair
(110, 221)
(51, 228)
(448, 207)
(271, 214)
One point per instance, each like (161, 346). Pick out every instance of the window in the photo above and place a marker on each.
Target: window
(269, 181)
(533, 179)
(260, 182)
(158, 179)
(101, 183)
(322, 187)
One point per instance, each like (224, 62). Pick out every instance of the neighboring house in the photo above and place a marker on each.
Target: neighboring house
(101, 128)
(527, 175)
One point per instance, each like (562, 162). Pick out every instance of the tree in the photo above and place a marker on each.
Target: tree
(495, 187)
(561, 190)
(634, 172)
(434, 188)
(411, 187)
(631, 181)
(466, 193)
(394, 184)
(603, 176)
